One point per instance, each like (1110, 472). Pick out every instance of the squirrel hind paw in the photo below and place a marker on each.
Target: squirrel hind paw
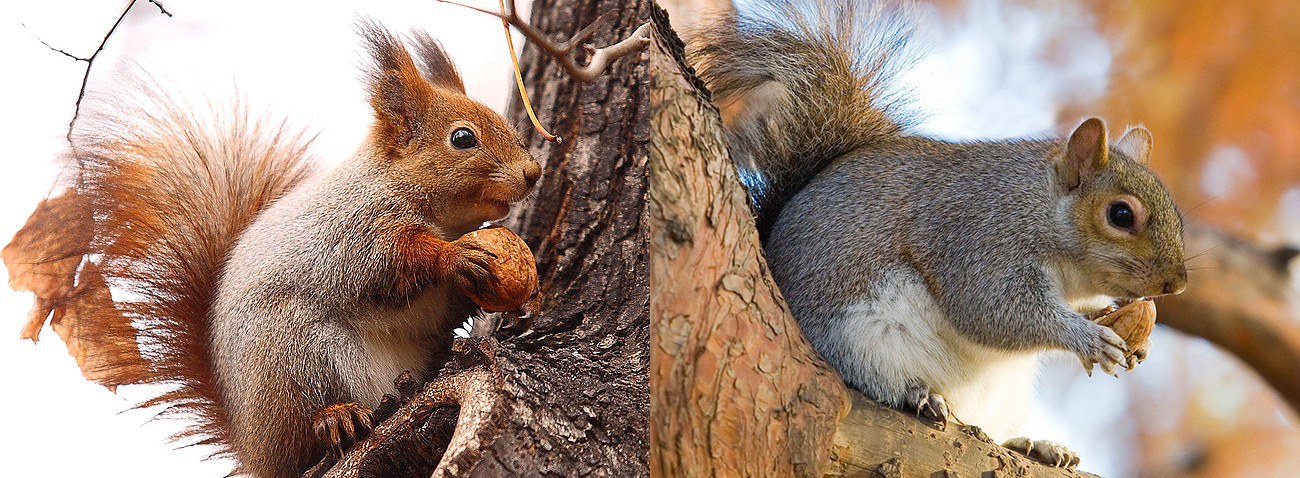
(929, 405)
(341, 425)
(1046, 452)
(936, 408)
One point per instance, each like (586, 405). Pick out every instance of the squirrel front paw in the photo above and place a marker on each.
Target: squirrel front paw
(1043, 451)
(1139, 355)
(495, 268)
(1134, 322)
(341, 425)
(473, 265)
(1101, 345)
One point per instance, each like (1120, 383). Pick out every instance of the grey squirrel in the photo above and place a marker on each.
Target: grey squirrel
(281, 301)
(931, 274)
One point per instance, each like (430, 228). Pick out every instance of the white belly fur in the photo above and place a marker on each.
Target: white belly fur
(404, 346)
(903, 335)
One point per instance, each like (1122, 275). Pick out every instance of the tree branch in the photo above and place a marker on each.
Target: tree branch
(90, 60)
(598, 58)
(876, 441)
(445, 424)
(1240, 297)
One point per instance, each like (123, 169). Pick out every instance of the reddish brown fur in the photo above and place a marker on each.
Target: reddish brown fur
(399, 93)
(168, 203)
(419, 257)
(414, 114)
(437, 65)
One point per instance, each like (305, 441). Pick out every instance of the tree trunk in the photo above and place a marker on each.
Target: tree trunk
(737, 389)
(563, 392)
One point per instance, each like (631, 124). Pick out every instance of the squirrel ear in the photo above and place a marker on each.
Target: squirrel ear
(1085, 154)
(1136, 144)
(399, 95)
(438, 67)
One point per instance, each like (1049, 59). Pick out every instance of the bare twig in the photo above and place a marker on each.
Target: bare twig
(600, 57)
(161, 9)
(52, 47)
(90, 60)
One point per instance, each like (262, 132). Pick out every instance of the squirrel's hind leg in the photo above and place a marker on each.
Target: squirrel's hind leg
(1044, 451)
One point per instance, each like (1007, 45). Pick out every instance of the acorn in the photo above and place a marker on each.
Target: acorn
(513, 267)
(1132, 322)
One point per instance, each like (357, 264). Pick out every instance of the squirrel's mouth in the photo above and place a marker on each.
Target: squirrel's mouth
(1118, 303)
(497, 201)
(495, 208)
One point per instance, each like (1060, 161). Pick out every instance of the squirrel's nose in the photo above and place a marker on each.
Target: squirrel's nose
(532, 172)
(1176, 286)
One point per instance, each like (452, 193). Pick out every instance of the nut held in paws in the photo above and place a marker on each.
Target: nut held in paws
(514, 268)
(1133, 322)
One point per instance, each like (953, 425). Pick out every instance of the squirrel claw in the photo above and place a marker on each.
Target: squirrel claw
(935, 407)
(1104, 347)
(1043, 451)
(341, 425)
(1109, 368)
(1138, 355)
(929, 405)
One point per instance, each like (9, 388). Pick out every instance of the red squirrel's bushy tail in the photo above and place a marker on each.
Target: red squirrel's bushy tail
(159, 195)
(813, 79)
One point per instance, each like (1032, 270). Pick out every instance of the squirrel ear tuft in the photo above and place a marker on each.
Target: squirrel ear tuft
(1136, 144)
(399, 95)
(1085, 154)
(438, 67)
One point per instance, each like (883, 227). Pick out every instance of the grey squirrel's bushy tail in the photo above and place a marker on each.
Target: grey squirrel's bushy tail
(813, 79)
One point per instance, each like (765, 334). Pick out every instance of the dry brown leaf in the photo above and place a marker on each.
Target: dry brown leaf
(43, 257)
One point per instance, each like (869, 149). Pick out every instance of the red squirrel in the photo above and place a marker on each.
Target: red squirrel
(282, 300)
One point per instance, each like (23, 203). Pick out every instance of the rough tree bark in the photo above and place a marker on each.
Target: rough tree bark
(565, 391)
(737, 390)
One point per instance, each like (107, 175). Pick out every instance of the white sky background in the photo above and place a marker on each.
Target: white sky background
(298, 59)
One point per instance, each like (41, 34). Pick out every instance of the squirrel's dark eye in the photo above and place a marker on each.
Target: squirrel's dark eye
(463, 138)
(1121, 215)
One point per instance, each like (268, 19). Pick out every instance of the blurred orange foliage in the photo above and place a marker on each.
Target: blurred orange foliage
(1206, 76)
